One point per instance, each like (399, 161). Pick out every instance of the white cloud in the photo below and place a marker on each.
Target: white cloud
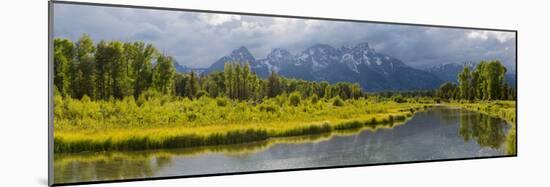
(199, 39)
(502, 37)
(217, 19)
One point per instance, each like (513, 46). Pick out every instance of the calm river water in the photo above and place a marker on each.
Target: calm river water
(438, 133)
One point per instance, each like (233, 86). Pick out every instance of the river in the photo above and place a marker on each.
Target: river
(438, 133)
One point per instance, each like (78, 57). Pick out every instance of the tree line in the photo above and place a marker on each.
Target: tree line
(485, 82)
(109, 68)
(114, 69)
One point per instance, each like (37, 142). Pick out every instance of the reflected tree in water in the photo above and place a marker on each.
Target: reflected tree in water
(487, 131)
(90, 168)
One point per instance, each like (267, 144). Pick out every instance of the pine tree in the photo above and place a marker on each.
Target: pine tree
(180, 84)
(273, 85)
(192, 86)
(245, 77)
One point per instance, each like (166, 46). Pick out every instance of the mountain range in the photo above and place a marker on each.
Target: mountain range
(360, 64)
(185, 69)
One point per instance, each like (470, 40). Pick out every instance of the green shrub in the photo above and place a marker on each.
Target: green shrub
(151, 93)
(202, 93)
(295, 99)
(85, 99)
(268, 108)
(398, 99)
(373, 121)
(400, 118)
(169, 121)
(314, 99)
(349, 125)
(192, 117)
(221, 102)
(141, 100)
(280, 100)
(337, 101)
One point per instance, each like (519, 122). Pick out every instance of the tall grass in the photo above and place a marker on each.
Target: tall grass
(505, 110)
(166, 122)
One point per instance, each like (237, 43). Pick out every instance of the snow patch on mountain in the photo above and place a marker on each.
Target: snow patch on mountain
(321, 62)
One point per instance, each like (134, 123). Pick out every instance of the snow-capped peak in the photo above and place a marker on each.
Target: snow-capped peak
(278, 54)
(241, 53)
(364, 46)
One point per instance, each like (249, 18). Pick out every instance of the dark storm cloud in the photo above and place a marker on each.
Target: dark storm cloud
(198, 39)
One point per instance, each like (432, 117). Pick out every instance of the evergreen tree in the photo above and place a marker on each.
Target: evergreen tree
(448, 91)
(273, 85)
(180, 84)
(192, 86)
(245, 77)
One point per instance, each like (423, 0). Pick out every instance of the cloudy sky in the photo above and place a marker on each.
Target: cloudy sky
(199, 39)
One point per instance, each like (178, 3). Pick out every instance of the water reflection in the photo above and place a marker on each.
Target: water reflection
(108, 166)
(439, 133)
(143, 164)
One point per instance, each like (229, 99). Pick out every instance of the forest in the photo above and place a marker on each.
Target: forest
(116, 95)
(115, 70)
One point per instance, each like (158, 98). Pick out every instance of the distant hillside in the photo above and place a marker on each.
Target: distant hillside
(184, 69)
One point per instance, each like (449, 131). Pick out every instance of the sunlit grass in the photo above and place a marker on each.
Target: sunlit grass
(175, 123)
(235, 149)
(501, 109)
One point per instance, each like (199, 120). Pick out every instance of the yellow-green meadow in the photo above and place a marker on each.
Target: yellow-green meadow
(167, 122)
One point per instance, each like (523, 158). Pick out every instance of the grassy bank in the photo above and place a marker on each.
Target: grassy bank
(84, 125)
(63, 160)
(505, 110)
(141, 165)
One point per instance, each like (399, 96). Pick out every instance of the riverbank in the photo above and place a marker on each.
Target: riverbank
(64, 159)
(505, 110)
(125, 126)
